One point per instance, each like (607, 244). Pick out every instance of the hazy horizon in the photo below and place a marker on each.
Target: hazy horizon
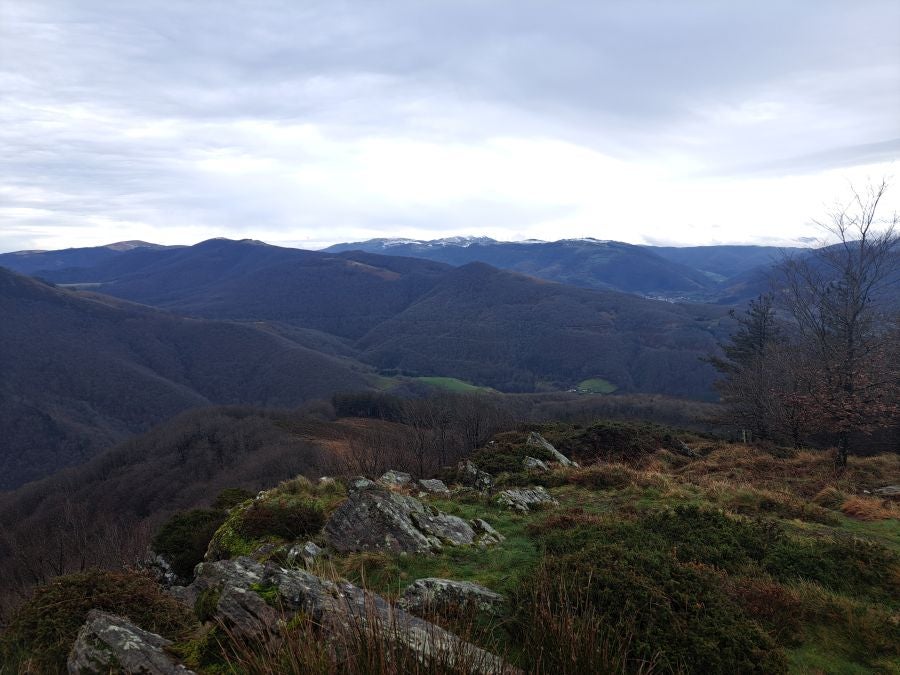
(307, 124)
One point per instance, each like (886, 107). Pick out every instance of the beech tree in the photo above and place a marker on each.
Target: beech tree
(839, 299)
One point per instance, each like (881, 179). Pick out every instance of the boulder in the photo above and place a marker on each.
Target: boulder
(486, 535)
(380, 519)
(343, 612)
(522, 499)
(107, 643)
(360, 483)
(431, 594)
(433, 486)
(535, 464)
(535, 440)
(394, 478)
(887, 491)
(305, 554)
(471, 476)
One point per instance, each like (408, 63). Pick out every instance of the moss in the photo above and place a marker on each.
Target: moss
(43, 629)
(267, 592)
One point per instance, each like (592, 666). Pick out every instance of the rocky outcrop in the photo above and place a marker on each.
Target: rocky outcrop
(431, 594)
(433, 486)
(485, 534)
(523, 499)
(341, 610)
(360, 483)
(471, 476)
(305, 554)
(379, 519)
(107, 643)
(394, 478)
(535, 440)
(535, 464)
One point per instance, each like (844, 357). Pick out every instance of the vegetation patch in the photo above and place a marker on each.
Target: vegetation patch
(452, 384)
(596, 385)
(183, 539)
(41, 633)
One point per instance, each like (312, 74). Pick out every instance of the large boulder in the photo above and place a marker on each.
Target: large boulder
(535, 464)
(342, 612)
(395, 478)
(107, 643)
(471, 476)
(432, 594)
(522, 499)
(888, 491)
(378, 519)
(433, 486)
(535, 440)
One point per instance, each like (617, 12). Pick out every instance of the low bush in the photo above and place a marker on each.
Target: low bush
(45, 627)
(231, 497)
(282, 517)
(183, 539)
(844, 564)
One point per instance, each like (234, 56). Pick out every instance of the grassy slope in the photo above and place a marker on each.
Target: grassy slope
(821, 593)
(837, 629)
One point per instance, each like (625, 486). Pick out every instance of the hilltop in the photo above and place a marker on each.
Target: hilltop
(664, 551)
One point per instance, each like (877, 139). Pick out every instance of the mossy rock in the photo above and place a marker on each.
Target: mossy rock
(42, 631)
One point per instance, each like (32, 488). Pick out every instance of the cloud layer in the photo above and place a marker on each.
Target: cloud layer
(308, 123)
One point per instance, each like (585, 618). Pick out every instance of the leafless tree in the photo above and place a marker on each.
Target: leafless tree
(838, 297)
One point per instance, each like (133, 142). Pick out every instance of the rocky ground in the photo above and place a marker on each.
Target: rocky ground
(697, 557)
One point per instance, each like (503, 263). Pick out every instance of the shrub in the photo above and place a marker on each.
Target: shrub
(645, 608)
(846, 564)
(283, 517)
(43, 629)
(184, 538)
(506, 452)
(231, 497)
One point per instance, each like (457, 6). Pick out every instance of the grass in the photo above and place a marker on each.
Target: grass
(739, 560)
(597, 385)
(452, 384)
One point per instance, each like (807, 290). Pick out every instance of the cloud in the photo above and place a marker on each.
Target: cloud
(318, 122)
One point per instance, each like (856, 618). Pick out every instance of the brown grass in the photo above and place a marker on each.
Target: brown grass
(870, 508)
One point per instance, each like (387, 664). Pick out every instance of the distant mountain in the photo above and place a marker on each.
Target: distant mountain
(518, 333)
(724, 261)
(589, 263)
(342, 294)
(29, 262)
(82, 371)
(416, 317)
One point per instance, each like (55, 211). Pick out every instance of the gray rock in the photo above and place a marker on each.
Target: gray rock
(385, 520)
(395, 478)
(360, 483)
(305, 554)
(887, 491)
(433, 485)
(161, 570)
(471, 476)
(486, 535)
(343, 611)
(431, 594)
(522, 499)
(535, 464)
(535, 440)
(107, 643)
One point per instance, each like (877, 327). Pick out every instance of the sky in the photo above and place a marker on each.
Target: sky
(309, 123)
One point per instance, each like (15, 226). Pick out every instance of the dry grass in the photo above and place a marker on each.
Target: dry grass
(870, 508)
(804, 474)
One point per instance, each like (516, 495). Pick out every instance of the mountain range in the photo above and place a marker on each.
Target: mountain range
(697, 273)
(94, 353)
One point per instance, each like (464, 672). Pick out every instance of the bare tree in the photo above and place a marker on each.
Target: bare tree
(838, 299)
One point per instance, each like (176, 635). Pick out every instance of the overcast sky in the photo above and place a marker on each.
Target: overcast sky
(306, 123)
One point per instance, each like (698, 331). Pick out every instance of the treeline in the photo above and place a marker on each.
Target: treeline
(817, 361)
